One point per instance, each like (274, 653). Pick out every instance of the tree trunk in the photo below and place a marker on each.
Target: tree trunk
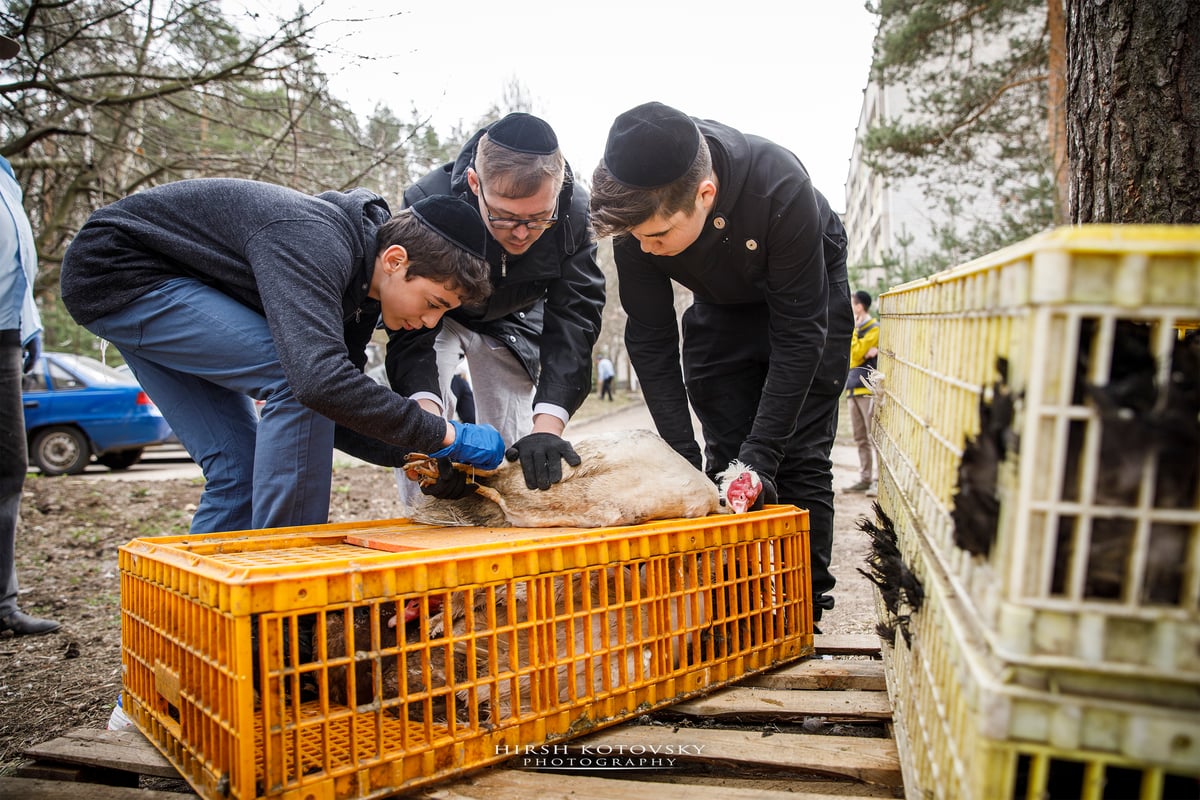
(1056, 103)
(1133, 120)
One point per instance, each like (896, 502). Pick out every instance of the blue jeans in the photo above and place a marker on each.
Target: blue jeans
(202, 356)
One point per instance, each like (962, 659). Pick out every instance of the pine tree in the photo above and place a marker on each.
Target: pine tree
(979, 131)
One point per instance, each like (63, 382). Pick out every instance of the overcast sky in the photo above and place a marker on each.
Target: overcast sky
(791, 71)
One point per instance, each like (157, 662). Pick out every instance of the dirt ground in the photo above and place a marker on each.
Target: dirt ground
(67, 548)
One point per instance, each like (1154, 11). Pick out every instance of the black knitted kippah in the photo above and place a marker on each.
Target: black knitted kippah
(524, 133)
(454, 220)
(650, 146)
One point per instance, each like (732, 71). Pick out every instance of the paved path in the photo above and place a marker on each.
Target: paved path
(629, 417)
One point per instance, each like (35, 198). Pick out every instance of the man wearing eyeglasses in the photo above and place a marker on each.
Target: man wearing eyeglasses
(529, 350)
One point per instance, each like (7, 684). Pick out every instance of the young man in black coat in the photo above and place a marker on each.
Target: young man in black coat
(530, 348)
(736, 219)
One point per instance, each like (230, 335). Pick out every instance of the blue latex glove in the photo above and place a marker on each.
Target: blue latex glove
(541, 456)
(478, 445)
(33, 350)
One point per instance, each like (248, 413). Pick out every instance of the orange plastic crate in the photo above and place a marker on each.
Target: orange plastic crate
(279, 664)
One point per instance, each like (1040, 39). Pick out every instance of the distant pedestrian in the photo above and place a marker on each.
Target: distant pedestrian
(604, 370)
(864, 352)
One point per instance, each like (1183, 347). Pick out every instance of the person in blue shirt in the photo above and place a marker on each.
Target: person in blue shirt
(20, 346)
(605, 372)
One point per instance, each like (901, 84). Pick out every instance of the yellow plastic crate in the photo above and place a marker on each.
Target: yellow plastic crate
(280, 664)
(966, 731)
(1086, 588)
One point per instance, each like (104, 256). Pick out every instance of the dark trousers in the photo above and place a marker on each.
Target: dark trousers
(726, 355)
(14, 461)
(606, 388)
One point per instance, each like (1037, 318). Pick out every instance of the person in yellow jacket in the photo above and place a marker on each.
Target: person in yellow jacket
(864, 352)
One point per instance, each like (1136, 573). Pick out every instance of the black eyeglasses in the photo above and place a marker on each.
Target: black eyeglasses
(508, 224)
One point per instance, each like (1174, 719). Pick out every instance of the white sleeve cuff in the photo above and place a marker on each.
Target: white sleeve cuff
(428, 396)
(552, 410)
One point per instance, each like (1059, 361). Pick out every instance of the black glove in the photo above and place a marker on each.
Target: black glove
(736, 484)
(768, 496)
(33, 349)
(541, 455)
(451, 483)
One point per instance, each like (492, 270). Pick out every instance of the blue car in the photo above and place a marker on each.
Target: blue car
(76, 408)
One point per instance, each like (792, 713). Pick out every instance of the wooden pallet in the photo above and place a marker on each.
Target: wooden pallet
(819, 728)
(787, 733)
(90, 764)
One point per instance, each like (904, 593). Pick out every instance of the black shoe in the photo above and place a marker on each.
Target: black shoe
(24, 625)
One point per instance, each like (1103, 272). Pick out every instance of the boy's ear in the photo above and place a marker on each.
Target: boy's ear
(395, 258)
(706, 194)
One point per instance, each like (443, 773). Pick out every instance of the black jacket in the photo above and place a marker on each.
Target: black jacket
(551, 296)
(770, 239)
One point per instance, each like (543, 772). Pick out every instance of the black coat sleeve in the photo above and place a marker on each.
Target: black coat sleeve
(573, 310)
(368, 449)
(652, 341)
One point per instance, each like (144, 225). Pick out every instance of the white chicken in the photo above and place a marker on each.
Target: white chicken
(624, 478)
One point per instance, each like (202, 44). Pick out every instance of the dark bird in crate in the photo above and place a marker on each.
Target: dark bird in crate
(1139, 425)
(371, 632)
(587, 631)
(901, 590)
(1178, 426)
(1125, 406)
(976, 513)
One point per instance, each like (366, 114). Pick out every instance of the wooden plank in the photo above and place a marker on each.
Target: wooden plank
(35, 789)
(859, 758)
(839, 674)
(858, 644)
(71, 773)
(123, 750)
(757, 703)
(509, 784)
